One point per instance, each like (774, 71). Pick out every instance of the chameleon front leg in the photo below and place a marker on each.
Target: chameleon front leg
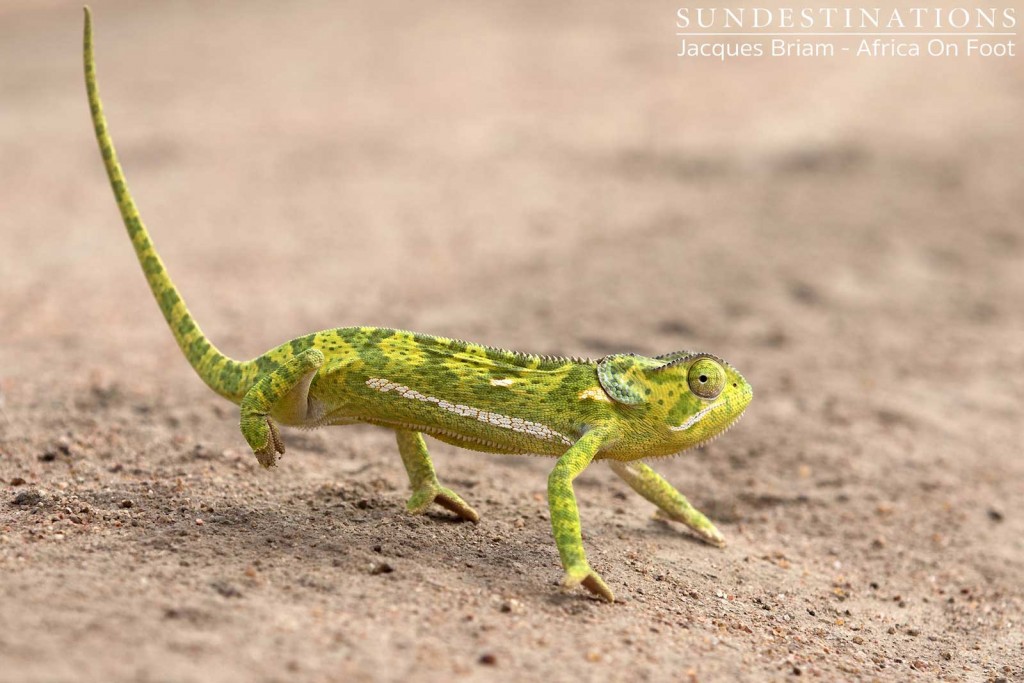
(283, 392)
(671, 503)
(565, 516)
(426, 489)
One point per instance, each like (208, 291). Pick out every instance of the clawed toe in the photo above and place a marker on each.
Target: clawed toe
(446, 498)
(589, 579)
(700, 526)
(267, 454)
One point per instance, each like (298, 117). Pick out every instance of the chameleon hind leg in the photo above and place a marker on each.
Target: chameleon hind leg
(565, 516)
(670, 502)
(283, 393)
(426, 489)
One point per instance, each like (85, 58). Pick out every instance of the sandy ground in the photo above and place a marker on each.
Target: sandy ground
(848, 233)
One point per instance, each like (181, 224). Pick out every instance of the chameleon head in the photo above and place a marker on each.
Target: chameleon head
(710, 396)
(694, 397)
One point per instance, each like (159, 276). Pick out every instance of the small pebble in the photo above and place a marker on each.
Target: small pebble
(381, 568)
(127, 503)
(226, 589)
(27, 498)
(511, 605)
(488, 659)
(17, 481)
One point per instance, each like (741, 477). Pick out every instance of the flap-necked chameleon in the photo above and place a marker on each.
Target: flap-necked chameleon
(621, 408)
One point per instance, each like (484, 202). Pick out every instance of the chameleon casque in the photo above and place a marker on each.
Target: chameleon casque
(619, 409)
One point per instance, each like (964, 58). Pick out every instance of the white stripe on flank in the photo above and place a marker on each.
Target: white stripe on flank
(516, 424)
(696, 418)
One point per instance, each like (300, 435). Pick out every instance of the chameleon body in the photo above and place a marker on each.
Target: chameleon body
(620, 408)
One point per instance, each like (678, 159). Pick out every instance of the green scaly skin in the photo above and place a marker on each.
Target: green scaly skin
(620, 408)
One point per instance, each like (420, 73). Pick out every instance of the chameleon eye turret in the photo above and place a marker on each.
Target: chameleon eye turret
(620, 409)
(706, 378)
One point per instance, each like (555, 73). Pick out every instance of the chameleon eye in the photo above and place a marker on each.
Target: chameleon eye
(706, 378)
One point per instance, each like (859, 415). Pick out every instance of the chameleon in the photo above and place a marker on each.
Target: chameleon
(621, 408)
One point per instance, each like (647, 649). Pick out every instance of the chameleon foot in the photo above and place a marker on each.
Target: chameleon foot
(426, 489)
(672, 505)
(264, 439)
(589, 579)
(446, 498)
(701, 527)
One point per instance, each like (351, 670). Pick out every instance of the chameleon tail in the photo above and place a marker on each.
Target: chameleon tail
(227, 377)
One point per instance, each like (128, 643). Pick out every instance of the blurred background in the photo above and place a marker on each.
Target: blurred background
(547, 177)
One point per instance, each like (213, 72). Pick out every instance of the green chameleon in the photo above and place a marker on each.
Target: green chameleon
(621, 408)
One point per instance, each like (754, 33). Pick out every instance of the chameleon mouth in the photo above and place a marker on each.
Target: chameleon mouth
(694, 419)
(705, 442)
(747, 396)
